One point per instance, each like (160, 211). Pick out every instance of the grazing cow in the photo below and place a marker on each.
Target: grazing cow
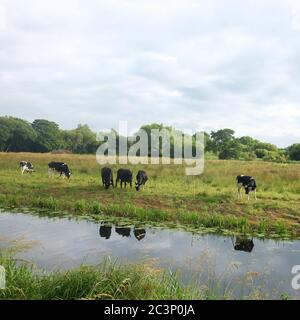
(60, 168)
(244, 244)
(248, 183)
(107, 177)
(125, 176)
(141, 179)
(26, 167)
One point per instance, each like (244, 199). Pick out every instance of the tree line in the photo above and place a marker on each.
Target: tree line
(18, 135)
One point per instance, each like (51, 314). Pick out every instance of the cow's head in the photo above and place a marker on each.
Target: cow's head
(137, 186)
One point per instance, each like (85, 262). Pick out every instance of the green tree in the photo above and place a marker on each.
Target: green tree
(5, 132)
(156, 126)
(48, 136)
(208, 143)
(230, 150)
(248, 143)
(260, 153)
(81, 140)
(273, 156)
(221, 139)
(16, 134)
(293, 152)
(266, 146)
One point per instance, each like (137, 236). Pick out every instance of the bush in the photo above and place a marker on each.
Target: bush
(261, 153)
(248, 156)
(230, 153)
(274, 157)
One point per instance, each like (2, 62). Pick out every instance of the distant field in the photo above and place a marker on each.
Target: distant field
(208, 200)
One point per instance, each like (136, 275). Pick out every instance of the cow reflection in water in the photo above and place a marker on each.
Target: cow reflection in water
(123, 231)
(243, 244)
(139, 233)
(106, 230)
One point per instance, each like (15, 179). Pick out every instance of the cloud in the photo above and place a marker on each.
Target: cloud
(190, 64)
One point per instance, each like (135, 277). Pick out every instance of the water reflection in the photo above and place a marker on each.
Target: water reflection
(105, 231)
(243, 244)
(66, 244)
(139, 233)
(123, 231)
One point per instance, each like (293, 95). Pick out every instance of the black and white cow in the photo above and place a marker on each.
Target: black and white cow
(141, 179)
(26, 166)
(60, 168)
(248, 183)
(125, 176)
(107, 177)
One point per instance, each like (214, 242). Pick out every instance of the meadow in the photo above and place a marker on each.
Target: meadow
(209, 200)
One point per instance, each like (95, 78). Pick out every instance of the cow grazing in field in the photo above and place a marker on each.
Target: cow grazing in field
(26, 167)
(141, 179)
(125, 176)
(248, 183)
(107, 177)
(60, 168)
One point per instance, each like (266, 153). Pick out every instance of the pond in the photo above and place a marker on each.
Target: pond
(230, 262)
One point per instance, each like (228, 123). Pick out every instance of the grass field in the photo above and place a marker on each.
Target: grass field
(209, 200)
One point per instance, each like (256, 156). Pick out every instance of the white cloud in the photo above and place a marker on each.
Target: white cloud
(186, 63)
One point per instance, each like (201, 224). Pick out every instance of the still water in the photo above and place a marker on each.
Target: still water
(237, 263)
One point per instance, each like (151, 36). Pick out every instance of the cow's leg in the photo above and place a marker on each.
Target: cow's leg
(50, 173)
(112, 183)
(239, 190)
(255, 195)
(248, 194)
(131, 184)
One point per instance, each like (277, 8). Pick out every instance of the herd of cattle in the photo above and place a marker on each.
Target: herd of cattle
(124, 176)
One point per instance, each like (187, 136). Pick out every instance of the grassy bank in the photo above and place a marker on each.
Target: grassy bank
(110, 281)
(107, 281)
(208, 200)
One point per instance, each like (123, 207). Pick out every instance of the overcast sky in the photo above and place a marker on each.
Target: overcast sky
(192, 64)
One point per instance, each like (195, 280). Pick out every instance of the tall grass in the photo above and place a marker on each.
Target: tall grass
(106, 281)
(110, 281)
